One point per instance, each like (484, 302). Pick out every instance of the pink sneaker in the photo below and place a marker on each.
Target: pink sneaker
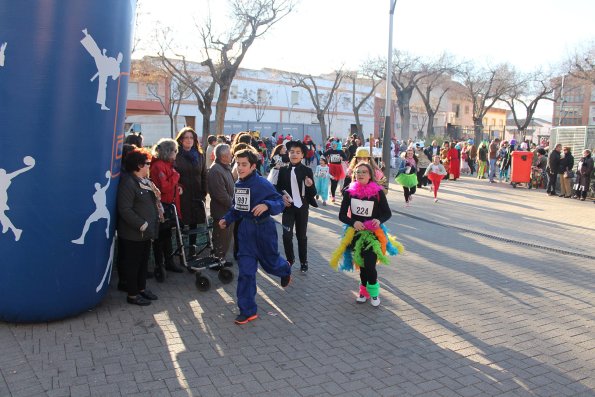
(363, 295)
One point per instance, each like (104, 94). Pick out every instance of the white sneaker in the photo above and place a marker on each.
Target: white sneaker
(375, 301)
(361, 299)
(435, 200)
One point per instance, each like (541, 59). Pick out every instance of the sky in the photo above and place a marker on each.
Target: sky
(320, 36)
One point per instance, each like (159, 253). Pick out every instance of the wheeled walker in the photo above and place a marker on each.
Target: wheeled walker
(196, 264)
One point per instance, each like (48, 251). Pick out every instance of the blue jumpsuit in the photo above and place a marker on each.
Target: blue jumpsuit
(257, 237)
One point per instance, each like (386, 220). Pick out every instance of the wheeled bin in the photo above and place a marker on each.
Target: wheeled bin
(520, 169)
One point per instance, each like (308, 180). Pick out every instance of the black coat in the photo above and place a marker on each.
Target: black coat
(566, 163)
(553, 162)
(301, 172)
(583, 174)
(136, 205)
(193, 179)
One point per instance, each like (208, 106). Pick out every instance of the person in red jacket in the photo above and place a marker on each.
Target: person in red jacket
(455, 162)
(165, 177)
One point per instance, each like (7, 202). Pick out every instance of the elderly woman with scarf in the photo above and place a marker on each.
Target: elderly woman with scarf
(364, 210)
(191, 165)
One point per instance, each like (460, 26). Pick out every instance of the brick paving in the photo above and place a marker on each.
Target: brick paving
(462, 314)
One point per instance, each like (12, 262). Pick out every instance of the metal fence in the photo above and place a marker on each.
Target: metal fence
(297, 131)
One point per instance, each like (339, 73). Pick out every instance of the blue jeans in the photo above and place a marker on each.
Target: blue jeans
(493, 167)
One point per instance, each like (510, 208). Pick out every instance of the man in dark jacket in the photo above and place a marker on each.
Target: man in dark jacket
(553, 166)
(220, 184)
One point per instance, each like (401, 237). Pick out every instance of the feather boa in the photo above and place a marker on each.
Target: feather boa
(379, 240)
(360, 191)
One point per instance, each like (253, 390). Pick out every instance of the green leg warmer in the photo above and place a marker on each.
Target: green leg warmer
(373, 289)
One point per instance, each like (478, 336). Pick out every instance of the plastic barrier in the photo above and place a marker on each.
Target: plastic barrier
(63, 81)
(520, 171)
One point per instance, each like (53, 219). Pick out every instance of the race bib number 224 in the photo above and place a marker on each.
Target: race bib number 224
(362, 207)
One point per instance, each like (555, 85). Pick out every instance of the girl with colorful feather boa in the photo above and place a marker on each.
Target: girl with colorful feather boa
(366, 241)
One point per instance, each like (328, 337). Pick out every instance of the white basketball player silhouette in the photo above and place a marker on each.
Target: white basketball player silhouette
(2, 51)
(101, 211)
(106, 67)
(108, 267)
(5, 181)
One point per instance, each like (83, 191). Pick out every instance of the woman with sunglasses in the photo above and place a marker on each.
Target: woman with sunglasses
(139, 213)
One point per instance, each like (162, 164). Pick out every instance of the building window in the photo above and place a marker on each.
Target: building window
(466, 109)
(455, 108)
(295, 98)
(233, 92)
(262, 95)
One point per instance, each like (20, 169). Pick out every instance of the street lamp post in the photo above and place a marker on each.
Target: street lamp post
(387, 122)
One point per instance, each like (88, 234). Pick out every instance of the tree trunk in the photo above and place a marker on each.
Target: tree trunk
(171, 125)
(206, 125)
(430, 129)
(221, 108)
(477, 131)
(320, 117)
(403, 99)
(358, 126)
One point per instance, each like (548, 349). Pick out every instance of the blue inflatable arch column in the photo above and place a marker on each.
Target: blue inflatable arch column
(64, 68)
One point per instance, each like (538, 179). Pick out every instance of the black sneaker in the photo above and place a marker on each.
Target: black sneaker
(149, 295)
(304, 267)
(243, 319)
(138, 300)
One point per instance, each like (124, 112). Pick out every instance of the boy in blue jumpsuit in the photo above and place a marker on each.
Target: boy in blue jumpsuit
(255, 200)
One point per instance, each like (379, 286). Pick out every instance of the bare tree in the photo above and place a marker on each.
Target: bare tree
(202, 88)
(483, 87)
(331, 112)
(434, 85)
(524, 95)
(253, 18)
(320, 101)
(259, 101)
(151, 72)
(366, 76)
(421, 115)
(176, 92)
(189, 74)
(582, 63)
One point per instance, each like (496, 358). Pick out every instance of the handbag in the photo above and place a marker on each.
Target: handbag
(569, 174)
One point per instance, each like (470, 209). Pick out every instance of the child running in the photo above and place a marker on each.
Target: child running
(364, 209)
(255, 200)
(321, 178)
(296, 183)
(435, 173)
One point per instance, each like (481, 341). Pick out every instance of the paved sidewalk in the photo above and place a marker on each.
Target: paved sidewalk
(462, 314)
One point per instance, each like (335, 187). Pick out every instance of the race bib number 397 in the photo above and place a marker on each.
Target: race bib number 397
(242, 199)
(362, 207)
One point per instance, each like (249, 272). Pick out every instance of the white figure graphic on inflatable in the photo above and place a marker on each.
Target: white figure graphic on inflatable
(101, 211)
(2, 51)
(106, 67)
(108, 267)
(5, 182)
